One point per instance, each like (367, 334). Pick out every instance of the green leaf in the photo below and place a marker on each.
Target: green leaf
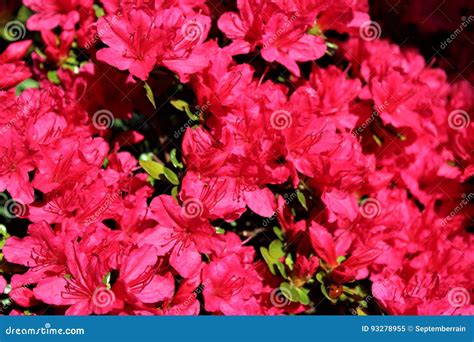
(183, 106)
(278, 233)
(289, 262)
(149, 94)
(174, 160)
(268, 259)
(174, 192)
(282, 269)
(301, 199)
(171, 176)
(290, 292)
(276, 249)
(220, 230)
(153, 168)
(320, 277)
(26, 84)
(99, 11)
(302, 295)
(106, 279)
(53, 77)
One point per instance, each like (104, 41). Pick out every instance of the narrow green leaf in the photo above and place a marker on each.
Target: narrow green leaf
(301, 199)
(282, 269)
(174, 192)
(278, 233)
(183, 106)
(289, 262)
(174, 160)
(171, 176)
(149, 94)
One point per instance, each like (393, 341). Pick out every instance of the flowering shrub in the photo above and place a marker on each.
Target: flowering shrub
(193, 157)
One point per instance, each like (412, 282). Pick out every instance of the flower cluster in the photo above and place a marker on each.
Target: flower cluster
(254, 158)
